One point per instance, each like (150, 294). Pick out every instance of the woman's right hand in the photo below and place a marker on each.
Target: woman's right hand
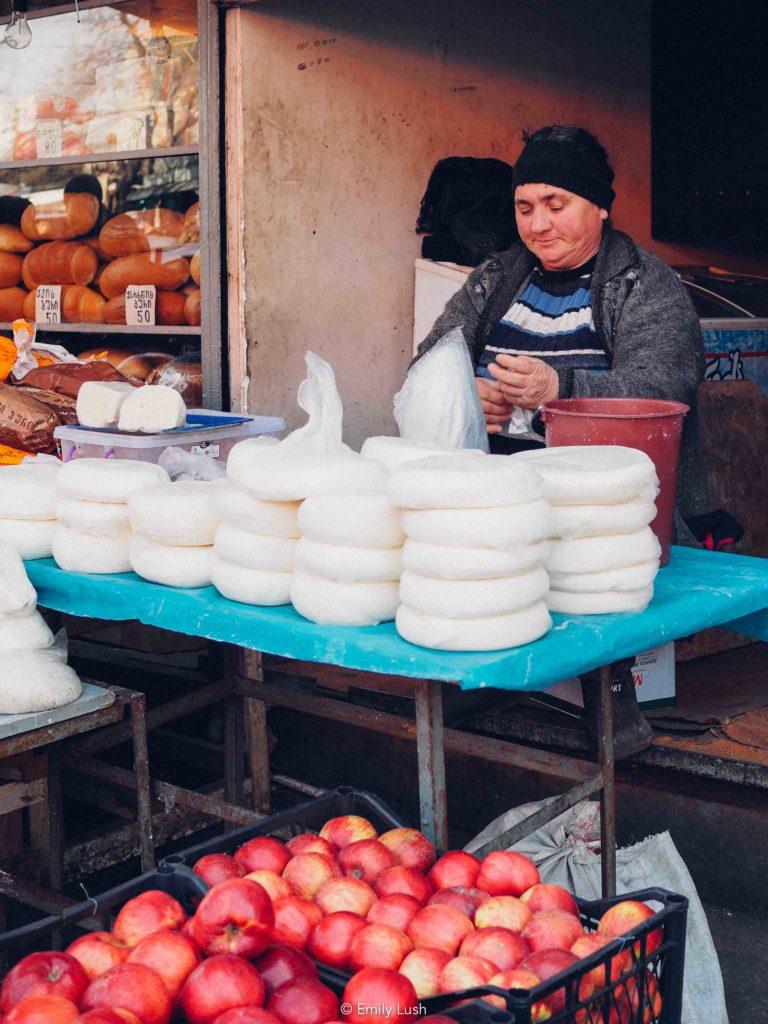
(496, 406)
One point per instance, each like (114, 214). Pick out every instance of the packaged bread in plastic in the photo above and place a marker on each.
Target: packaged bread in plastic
(25, 423)
(155, 268)
(143, 365)
(185, 375)
(67, 218)
(67, 378)
(142, 231)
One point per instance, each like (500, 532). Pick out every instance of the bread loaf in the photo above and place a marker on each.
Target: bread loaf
(141, 231)
(79, 305)
(183, 376)
(143, 268)
(11, 304)
(10, 269)
(60, 263)
(192, 223)
(194, 268)
(192, 309)
(144, 364)
(12, 239)
(113, 356)
(169, 309)
(74, 215)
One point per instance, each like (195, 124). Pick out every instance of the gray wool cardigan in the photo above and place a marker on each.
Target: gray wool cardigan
(645, 320)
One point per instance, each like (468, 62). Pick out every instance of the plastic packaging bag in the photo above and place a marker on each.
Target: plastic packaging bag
(24, 335)
(439, 403)
(183, 465)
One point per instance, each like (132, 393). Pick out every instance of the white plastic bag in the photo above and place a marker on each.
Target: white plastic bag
(182, 465)
(24, 339)
(439, 403)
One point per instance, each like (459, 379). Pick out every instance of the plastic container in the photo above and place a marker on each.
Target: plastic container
(651, 425)
(214, 441)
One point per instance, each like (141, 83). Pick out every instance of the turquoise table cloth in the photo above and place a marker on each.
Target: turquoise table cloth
(696, 590)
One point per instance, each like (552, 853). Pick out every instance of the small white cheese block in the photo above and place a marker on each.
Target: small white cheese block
(494, 633)
(354, 520)
(598, 554)
(181, 514)
(505, 527)
(172, 566)
(26, 490)
(107, 480)
(448, 562)
(99, 518)
(331, 603)
(349, 564)
(599, 604)
(99, 402)
(32, 538)
(473, 599)
(254, 550)
(467, 480)
(250, 586)
(152, 409)
(81, 552)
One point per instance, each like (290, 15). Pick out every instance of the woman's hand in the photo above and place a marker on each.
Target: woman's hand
(525, 381)
(496, 408)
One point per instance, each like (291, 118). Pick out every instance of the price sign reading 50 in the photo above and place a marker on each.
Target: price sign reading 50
(140, 305)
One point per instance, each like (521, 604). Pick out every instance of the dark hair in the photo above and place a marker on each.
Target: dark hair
(84, 183)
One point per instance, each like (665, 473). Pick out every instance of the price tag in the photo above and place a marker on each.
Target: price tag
(48, 136)
(132, 132)
(140, 304)
(48, 304)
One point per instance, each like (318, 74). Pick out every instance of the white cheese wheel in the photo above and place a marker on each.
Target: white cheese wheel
(250, 586)
(99, 402)
(26, 490)
(272, 518)
(355, 520)
(598, 520)
(181, 514)
(491, 634)
(81, 552)
(35, 681)
(510, 526)
(473, 599)
(108, 480)
(634, 577)
(151, 409)
(170, 565)
(253, 550)
(396, 451)
(599, 604)
(447, 562)
(467, 480)
(331, 603)
(592, 474)
(598, 554)
(100, 518)
(348, 564)
(17, 595)
(30, 537)
(29, 633)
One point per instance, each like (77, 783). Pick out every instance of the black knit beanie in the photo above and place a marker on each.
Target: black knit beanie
(567, 157)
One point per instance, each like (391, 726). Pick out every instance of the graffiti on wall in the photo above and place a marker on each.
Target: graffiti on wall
(737, 354)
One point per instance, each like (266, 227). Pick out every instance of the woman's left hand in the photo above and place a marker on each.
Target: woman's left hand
(526, 381)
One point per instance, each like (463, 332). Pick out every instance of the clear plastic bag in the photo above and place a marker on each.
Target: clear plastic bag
(439, 403)
(183, 465)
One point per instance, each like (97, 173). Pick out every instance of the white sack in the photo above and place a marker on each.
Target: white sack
(599, 604)
(250, 586)
(26, 490)
(505, 527)
(473, 599)
(33, 681)
(355, 520)
(331, 603)
(17, 595)
(491, 634)
(29, 633)
(449, 562)
(272, 518)
(100, 518)
(634, 577)
(592, 474)
(598, 520)
(253, 550)
(468, 480)
(598, 554)
(349, 565)
(107, 480)
(31, 538)
(80, 552)
(182, 514)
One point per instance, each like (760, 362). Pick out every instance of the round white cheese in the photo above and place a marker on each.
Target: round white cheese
(599, 604)
(348, 564)
(331, 603)
(271, 518)
(449, 562)
(170, 565)
(80, 552)
(254, 550)
(250, 586)
(598, 554)
(181, 514)
(395, 451)
(107, 480)
(597, 520)
(100, 518)
(490, 634)
(32, 538)
(472, 599)
(634, 577)
(355, 520)
(26, 490)
(592, 474)
(505, 527)
(467, 480)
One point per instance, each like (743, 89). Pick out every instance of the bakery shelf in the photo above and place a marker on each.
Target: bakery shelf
(101, 158)
(107, 329)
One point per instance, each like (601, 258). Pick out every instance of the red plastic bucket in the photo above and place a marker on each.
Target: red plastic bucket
(652, 425)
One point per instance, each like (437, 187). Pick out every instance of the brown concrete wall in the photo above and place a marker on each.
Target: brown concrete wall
(342, 110)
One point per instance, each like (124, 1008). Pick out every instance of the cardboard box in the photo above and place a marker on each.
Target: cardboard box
(654, 675)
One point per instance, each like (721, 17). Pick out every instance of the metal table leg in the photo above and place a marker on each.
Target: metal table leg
(138, 709)
(234, 729)
(55, 819)
(608, 793)
(431, 758)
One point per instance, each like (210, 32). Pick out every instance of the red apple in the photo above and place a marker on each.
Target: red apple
(43, 974)
(377, 996)
(171, 954)
(441, 928)
(422, 967)
(411, 847)
(455, 868)
(397, 910)
(502, 912)
(219, 984)
(378, 945)
(586, 945)
(263, 854)
(552, 929)
(632, 1002)
(505, 949)
(105, 1016)
(235, 917)
(247, 1015)
(151, 911)
(98, 952)
(407, 880)
(506, 873)
(311, 843)
(308, 873)
(331, 940)
(294, 920)
(460, 898)
(545, 964)
(366, 859)
(550, 897)
(465, 972)
(42, 1010)
(625, 917)
(218, 867)
(283, 963)
(518, 979)
(351, 894)
(304, 1001)
(350, 828)
(274, 885)
(133, 987)
(188, 930)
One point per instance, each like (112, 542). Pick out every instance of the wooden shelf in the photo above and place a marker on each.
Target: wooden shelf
(107, 329)
(100, 158)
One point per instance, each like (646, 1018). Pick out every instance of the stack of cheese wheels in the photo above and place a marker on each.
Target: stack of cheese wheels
(27, 512)
(173, 526)
(91, 503)
(349, 559)
(603, 499)
(477, 528)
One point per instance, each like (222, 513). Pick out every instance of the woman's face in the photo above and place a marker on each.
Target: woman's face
(561, 229)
